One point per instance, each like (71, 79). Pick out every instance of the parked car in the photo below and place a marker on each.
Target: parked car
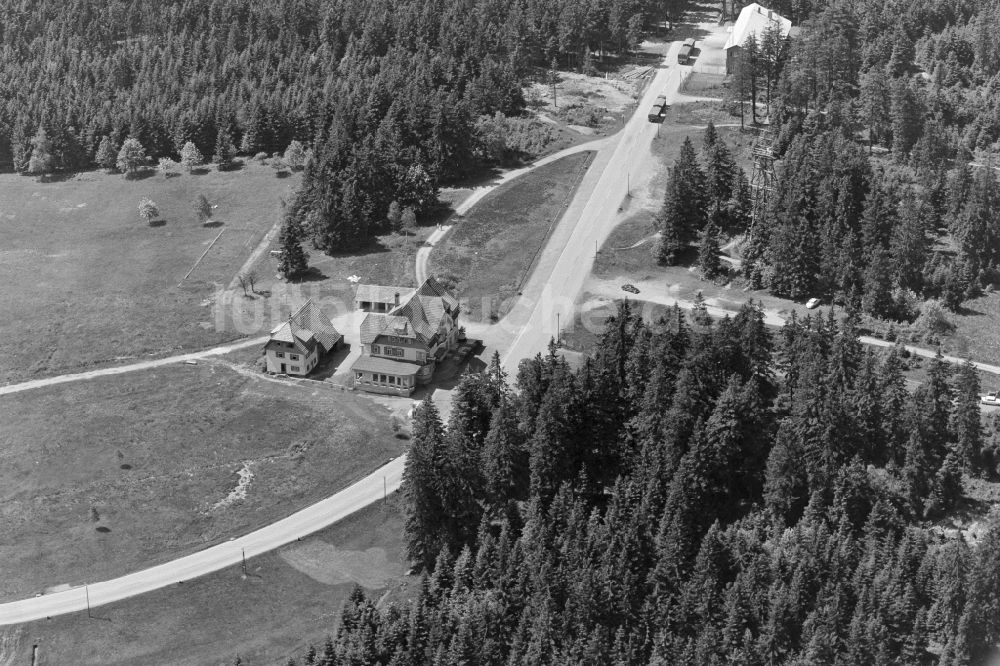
(991, 399)
(630, 288)
(812, 304)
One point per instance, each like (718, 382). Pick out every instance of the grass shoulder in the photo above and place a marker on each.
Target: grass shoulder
(96, 285)
(490, 252)
(290, 598)
(144, 467)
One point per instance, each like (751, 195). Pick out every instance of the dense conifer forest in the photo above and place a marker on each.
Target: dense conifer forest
(392, 97)
(883, 117)
(697, 492)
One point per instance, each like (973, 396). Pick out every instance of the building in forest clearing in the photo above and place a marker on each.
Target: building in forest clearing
(405, 334)
(753, 20)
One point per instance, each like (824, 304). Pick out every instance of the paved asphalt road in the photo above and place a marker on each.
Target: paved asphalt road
(229, 554)
(588, 219)
(568, 258)
(552, 289)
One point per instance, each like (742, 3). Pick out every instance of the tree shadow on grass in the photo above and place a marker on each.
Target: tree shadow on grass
(313, 275)
(59, 177)
(212, 224)
(282, 174)
(141, 174)
(199, 171)
(157, 223)
(235, 165)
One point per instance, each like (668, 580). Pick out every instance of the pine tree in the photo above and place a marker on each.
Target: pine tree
(966, 418)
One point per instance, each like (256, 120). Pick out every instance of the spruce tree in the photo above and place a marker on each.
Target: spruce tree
(106, 155)
(293, 263)
(684, 207)
(708, 253)
(40, 161)
(425, 513)
(966, 425)
(224, 149)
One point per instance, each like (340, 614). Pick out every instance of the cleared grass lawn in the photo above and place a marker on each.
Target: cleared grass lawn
(976, 330)
(86, 282)
(291, 598)
(104, 477)
(491, 250)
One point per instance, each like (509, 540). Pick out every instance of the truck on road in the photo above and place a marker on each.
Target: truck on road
(658, 110)
(684, 55)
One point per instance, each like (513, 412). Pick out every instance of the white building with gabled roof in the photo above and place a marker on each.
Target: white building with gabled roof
(405, 334)
(298, 345)
(754, 21)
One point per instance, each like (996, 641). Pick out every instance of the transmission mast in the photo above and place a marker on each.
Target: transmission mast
(762, 179)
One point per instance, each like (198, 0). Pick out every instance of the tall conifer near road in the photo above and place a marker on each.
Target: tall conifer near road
(684, 206)
(421, 486)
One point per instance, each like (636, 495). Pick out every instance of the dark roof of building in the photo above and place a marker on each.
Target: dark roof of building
(418, 317)
(384, 365)
(376, 293)
(307, 327)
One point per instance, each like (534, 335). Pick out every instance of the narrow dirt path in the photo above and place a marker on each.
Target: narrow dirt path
(122, 369)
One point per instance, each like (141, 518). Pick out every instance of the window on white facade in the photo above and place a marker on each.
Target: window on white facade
(280, 354)
(293, 357)
(375, 349)
(295, 368)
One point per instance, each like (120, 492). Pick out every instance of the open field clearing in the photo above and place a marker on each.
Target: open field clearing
(490, 251)
(290, 598)
(104, 477)
(87, 282)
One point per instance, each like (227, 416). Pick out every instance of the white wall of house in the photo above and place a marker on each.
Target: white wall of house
(295, 363)
(384, 383)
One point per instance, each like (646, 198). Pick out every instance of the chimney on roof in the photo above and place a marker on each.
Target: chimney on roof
(395, 299)
(769, 15)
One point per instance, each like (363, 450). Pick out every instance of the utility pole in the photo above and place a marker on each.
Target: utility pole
(244, 551)
(385, 493)
(86, 591)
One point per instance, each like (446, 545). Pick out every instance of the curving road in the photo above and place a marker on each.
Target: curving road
(558, 276)
(368, 490)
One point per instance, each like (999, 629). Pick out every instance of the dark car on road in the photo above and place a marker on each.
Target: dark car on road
(630, 288)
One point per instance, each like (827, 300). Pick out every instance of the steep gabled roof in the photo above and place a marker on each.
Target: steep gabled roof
(755, 20)
(419, 316)
(434, 289)
(307, 327)
(375, 324)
